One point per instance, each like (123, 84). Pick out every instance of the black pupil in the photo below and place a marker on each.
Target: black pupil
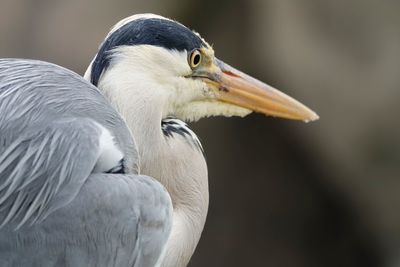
(196, 59)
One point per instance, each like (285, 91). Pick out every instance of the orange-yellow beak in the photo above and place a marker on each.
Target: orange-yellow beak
(237, 88)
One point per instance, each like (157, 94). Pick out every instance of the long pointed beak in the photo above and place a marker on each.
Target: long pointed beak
(238, 88)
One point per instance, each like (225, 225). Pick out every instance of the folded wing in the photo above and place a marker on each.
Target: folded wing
(69, 190)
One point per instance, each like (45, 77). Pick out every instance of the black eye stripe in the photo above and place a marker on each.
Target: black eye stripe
(150, 31)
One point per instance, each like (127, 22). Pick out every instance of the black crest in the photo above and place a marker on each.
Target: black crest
(150, 31)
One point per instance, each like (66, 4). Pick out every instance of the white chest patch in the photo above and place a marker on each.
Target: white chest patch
(110, 157)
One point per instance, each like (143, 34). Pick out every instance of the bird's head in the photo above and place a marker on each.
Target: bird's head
(150, 60)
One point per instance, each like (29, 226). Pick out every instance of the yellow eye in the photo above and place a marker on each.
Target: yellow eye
(195, 59)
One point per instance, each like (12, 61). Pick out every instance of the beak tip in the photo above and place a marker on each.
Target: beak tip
(312, 117)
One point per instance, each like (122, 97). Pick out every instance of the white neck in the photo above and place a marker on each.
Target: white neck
(172, 161)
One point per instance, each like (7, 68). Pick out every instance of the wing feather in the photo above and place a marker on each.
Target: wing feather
(43, 164)
(54, 211)
(115, 220)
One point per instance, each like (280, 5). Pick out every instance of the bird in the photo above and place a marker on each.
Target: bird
(103, 170)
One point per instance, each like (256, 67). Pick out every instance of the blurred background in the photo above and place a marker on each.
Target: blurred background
(282, 193)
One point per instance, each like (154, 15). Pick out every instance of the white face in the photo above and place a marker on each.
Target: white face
(164, 77)
(188, 85)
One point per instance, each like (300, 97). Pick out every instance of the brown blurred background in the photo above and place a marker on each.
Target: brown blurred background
(283, 193)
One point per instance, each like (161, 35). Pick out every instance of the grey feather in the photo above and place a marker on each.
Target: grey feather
(103, 226)
(45, 166)
(38, 92)
(53, 210)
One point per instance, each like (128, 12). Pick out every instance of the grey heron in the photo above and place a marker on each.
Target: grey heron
(76, 188)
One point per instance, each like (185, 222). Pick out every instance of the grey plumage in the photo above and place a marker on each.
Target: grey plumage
(54, 210)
